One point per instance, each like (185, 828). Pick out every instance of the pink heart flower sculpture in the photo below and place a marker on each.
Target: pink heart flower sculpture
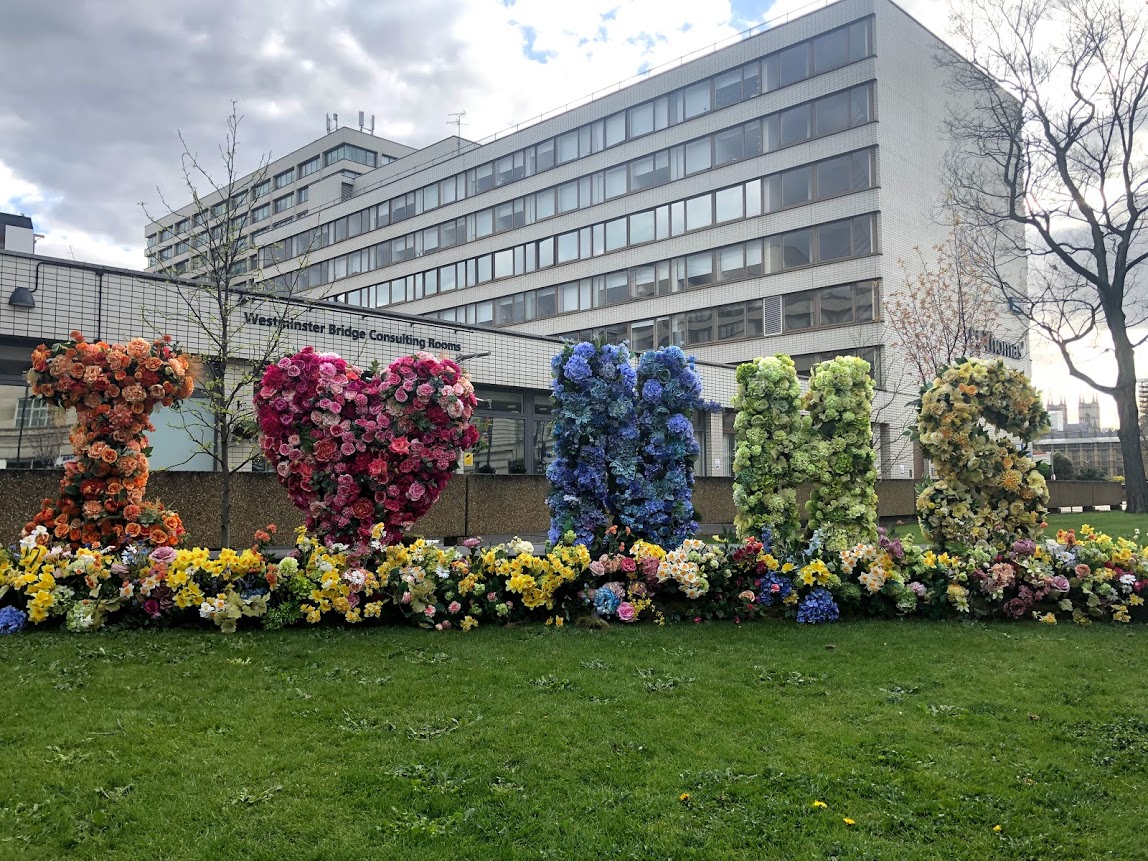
(355, 448)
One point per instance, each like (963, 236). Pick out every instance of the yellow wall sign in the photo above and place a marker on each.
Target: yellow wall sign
(468, 459)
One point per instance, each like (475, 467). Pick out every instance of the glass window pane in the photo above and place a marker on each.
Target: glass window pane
(863, 227)
(545, 253)
(568, 147)
(568, 197)
(830, 50)
(483, 223)
(485, 268)
(862, 170)
(504, 263)
(753, 262)
(753, 198)
(795, 186)
(615, 289)
(836, 305)
(568, 247)
(642, 335)
(859, 105)
(833, 177)
(754, 325)
(795, 249)
(751, 81)
(700, 327)
(661, 113)
(616, 234)
(662, 220)
(697, 99)
(641, 119)
(859, 40)
(793, 64)
(544, 155)
(677, 218)
(645, 283)
(728, 204)
(615, 129)
(698, 155)
(544, 204)
(797, 311)
(831, 114)
(731, 262)
(699, 212)
(728, 146)
(700, 269)
(641, 228)
(504, 217)
(727, 88)
(794, 125)
(615, 181)
(834, 241)
(863, 301)
(731, 322)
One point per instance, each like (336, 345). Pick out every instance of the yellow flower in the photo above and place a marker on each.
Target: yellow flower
(559, 621)
(468, 623)
(1135, 600)
(848, 821)
(684, 797)
(820, 805)
(997, 829)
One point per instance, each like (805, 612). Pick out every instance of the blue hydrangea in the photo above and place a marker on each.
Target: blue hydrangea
(606, 602)
(766, 593)
(12, 620)
(817, 607)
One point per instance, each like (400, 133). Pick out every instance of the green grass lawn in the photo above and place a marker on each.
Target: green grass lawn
(1114, 523)
(541, 743)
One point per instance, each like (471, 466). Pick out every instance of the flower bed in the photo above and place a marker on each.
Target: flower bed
(1081, 577)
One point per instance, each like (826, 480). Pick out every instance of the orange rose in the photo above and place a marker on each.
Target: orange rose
(133, 529)
(157, 536)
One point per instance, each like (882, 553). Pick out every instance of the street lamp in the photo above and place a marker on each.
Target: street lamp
(466, 356)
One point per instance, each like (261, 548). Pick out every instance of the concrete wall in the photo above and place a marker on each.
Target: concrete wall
(470, 505)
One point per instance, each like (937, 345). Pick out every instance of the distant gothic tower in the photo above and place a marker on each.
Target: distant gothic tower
(1089, 414)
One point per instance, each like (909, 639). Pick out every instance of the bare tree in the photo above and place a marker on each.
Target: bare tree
(1046, 156)
(946, 309)
(236, 313)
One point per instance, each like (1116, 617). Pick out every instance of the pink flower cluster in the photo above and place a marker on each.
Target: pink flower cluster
(355, 448)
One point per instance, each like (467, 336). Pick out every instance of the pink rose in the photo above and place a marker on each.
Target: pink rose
(430, 611)
(454, 607)
(626, 611)
(629, 565)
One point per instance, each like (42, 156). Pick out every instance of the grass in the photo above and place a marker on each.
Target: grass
(1114, 523)
(538, 743)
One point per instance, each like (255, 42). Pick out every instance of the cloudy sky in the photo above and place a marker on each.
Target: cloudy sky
(88, 129)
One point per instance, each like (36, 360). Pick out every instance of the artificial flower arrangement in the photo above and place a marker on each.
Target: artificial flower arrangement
(988, 490)
(1081, 577)
(113, 388)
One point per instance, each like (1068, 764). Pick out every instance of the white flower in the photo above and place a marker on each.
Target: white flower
(30, 540)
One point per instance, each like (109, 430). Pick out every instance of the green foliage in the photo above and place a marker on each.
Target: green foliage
(1062, 466)
(843, 505)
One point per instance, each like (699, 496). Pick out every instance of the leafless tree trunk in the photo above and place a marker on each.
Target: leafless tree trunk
(222, 283)
(1046, 157)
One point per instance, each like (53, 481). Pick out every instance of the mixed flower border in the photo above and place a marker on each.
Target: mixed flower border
(1079, 577)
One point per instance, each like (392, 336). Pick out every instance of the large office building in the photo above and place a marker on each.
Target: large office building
(757, 199)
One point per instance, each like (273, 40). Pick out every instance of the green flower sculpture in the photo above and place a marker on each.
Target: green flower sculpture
(772, 455)
(843, 505)
(988, 490)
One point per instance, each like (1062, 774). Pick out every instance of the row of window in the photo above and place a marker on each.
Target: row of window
(280, 180)
(818, 181)
(733, 322)
(814, 119)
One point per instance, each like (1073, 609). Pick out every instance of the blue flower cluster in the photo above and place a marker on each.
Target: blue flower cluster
(12, 620)
(659, 506)
(817, 607)
(605, 602)
(773, 589)
(595, 439)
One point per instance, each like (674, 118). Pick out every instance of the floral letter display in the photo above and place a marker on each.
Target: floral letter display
(772, 454)
(595, 439)
(843, 504)
(669, 389)
(113, 388)
(988, 490)
(355, 448)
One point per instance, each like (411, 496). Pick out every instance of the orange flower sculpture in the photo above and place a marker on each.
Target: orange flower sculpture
(113, 388)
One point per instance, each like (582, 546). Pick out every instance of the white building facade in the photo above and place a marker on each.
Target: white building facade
(753, 201)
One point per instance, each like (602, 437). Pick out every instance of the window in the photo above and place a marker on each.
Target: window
(698, 156)
(614, 289)
(699, 212)
(641, 119)
(700, 269)
(793, 64)
(697, 99)
(830, 50)
(727, 88)
(403, 207)
(794, 125)
(731, 263)
(834, 177)
(615, 181)
(700, 327)
(795, 249)
(260, 213)
(544, 204)
(728, 146)
(568, 247)
(309, 167)
(544, 158)
(616, 234)
(835, 305)
(285, 178)
(568, 147)
(797, 311)
(284, 202)
(650, 171)
(35, 413)
(641, 228)
(795, 186)
(615, 129)
(728, 204)
(568, 197)
(831, 114)
(430, 197)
